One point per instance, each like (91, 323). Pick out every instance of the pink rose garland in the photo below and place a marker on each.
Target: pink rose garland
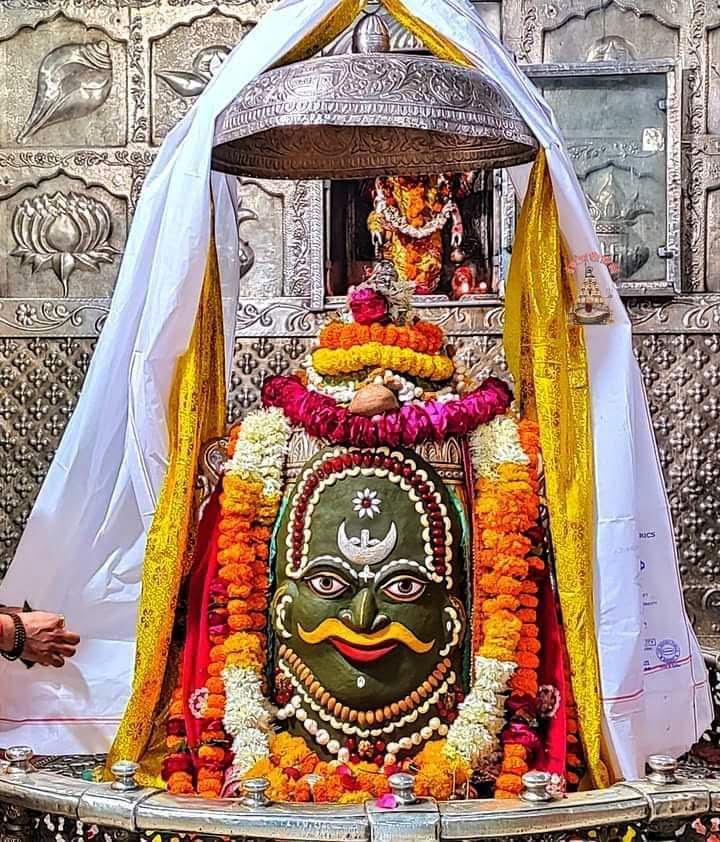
(410, 425)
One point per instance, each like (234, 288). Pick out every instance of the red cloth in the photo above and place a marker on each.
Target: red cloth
(552, 671)
(197, 642)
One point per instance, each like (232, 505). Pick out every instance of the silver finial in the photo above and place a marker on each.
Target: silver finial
(371, 35)
(19, 759)
(535, 787)
(255, 789)
(401, 786)
(124, 772)
(663, 769)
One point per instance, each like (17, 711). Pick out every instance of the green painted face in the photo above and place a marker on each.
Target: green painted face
(367, 568)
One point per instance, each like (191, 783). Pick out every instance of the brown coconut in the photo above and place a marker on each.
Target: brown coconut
(373, 399)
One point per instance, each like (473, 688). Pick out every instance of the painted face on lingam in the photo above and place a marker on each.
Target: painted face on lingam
(368, 625)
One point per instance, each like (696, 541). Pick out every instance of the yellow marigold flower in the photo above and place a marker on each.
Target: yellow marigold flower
(335, 361)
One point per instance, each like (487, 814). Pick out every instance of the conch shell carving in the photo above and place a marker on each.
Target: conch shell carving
(64, 233)
(193, 82)
(73, 81)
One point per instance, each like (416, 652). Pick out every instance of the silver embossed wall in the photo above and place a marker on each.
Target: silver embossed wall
(89, 88)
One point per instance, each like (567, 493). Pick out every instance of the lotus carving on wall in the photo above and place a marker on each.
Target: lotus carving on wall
(64, 233)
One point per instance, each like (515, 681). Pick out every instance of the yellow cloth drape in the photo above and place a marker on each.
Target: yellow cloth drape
(197, 414)
(546, 354)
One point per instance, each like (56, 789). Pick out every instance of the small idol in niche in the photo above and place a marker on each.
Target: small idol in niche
(409, 216)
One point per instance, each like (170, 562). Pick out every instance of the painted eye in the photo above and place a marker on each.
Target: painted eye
(327, 585)
(404, 588)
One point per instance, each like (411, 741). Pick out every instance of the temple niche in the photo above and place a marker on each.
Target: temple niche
(437, 230)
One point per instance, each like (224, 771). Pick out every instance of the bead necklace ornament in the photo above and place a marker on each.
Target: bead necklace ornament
(349, 592)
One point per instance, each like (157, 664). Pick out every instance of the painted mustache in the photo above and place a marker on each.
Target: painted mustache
(364, 647)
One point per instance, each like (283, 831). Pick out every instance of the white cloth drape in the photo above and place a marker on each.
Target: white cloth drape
(82, 549)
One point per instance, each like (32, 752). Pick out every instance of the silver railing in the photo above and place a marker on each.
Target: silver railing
(44, 806)
(37, 805)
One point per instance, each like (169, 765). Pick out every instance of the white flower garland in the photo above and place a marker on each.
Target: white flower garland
(248, 717)
(260, 449)
(259, 456)
(474, 735)
(494, 443)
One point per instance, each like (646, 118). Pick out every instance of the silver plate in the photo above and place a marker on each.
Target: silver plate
(355, 116)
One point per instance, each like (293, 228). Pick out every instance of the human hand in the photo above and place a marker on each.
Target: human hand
(47, 640)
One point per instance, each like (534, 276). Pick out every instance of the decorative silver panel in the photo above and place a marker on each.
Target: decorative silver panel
(101, 151)
(183, 60)
(622, 128)
(64, 83)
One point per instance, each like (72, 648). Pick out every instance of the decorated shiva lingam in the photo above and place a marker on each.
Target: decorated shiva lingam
(365, 482)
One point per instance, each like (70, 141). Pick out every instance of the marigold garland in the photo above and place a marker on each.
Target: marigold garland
(423, 337)
(574, 761)
(249, 505)
(507, 510)
(234, 707)
(374, 354)
(290, 761)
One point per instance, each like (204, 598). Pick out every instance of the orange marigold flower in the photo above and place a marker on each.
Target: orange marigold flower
(174, 744)
(503, 602)
(211, 753)
(528, 660)
(328, 789)
(528, 644)
(515, 765)
(509, 783)
(180, 783)
(215, 685)
(214, 712)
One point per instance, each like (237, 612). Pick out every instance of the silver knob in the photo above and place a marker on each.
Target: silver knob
(536, 787)
(401, 786)
(663, 769)
(124, 772)
(371, 35)
(19, 759)
(255, 789)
